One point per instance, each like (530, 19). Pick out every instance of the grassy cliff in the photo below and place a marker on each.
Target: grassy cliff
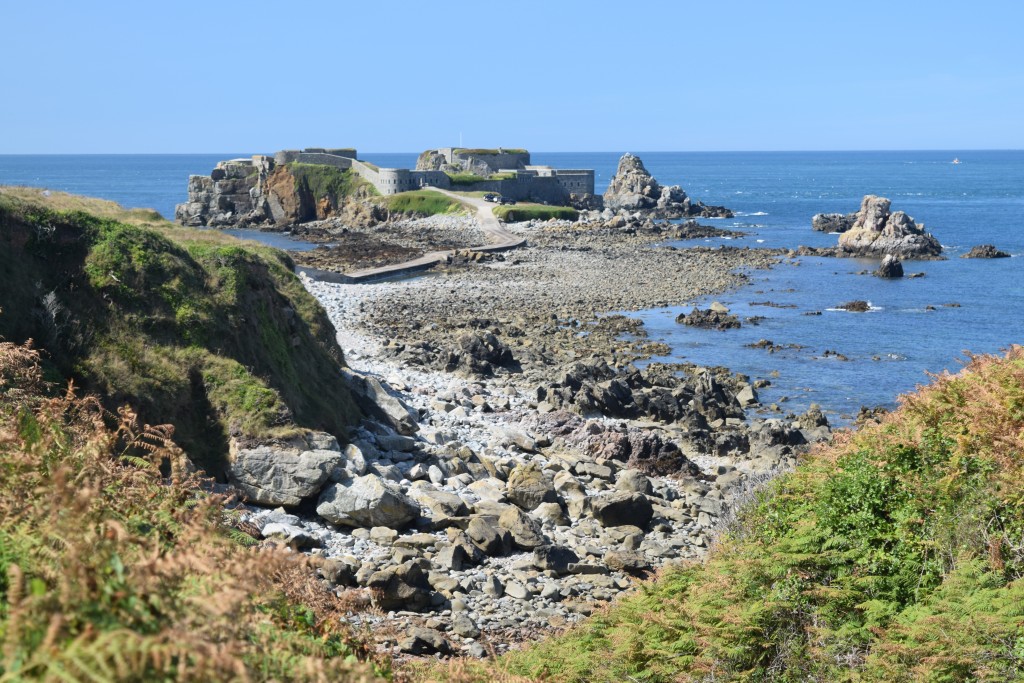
(192, 328)
(896, 554)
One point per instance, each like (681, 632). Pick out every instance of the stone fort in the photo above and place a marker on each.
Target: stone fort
(507, 172)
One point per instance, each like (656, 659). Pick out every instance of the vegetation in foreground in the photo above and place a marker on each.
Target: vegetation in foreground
(896, 554)
(192, 328)
(526, 212)
(422, 203)
(110, 571)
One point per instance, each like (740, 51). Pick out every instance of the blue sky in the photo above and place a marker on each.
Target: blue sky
(554, 75)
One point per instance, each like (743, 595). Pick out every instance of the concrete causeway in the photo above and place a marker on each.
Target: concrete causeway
(498, 239)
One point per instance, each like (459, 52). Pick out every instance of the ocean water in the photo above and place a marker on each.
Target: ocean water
(977, 304)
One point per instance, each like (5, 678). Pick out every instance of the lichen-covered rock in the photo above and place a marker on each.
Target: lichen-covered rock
(877, 232)
(529, 486)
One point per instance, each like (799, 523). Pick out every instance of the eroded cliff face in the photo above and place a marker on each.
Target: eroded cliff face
(258, 192)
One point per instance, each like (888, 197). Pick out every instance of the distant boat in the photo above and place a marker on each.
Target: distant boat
(956, 160)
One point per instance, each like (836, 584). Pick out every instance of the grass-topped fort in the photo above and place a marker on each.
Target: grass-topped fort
(296, 186)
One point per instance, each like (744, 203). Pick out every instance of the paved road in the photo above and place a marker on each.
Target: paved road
(498, 239)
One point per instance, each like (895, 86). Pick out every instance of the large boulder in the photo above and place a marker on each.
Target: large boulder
(877, 232)
(526, 532)
(280, 475)
(621, 509)
(377, 401)
(528, 486)
(367, 501)
(403, 587)
(633, 189)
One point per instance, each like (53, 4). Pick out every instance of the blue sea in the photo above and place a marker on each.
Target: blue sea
(916, 326)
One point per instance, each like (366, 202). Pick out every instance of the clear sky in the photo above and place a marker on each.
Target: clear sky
(549, 75)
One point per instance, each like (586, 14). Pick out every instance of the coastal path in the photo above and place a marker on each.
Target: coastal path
(498, 239)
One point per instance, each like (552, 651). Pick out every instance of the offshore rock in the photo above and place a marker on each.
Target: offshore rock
(878, 232)
(633, 188)
(985, 251)
(710, 319)
(833, 222)
(890, 268)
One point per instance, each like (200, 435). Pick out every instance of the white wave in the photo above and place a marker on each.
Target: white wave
(759, 213)
(760, 241)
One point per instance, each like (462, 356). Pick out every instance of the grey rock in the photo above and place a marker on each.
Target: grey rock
(633, 481)
(627, 561)
(489, 537)
(294, 536)
(367, 502)
(271, 475)
(617, 509)
(833, 222)
(877, 232)
(424, 641)
(526, 532)
(403, 587)
(554, 558)
(890, 268)
(464, 627)
(377, 401)
(529, 486)
(516, 590)
(985, 251)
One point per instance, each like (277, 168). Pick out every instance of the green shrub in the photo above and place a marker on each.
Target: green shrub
(526, 212)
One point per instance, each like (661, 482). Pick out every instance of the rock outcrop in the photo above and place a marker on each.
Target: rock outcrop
(890, 268)
(633, 189)
(833, 222)
(262, 192)
(985, 251)
(877, 232)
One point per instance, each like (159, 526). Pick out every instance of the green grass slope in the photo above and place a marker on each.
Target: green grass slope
(896, 554)
(192, 328)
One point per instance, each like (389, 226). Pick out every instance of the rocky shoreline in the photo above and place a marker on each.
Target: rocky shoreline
(523, 472)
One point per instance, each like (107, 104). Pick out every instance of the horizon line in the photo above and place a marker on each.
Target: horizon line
(649, 151)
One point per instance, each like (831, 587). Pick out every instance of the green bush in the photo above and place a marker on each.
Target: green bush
(526, 212)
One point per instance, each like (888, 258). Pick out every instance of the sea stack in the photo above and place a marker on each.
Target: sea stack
(634, 189)
(877, 232)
